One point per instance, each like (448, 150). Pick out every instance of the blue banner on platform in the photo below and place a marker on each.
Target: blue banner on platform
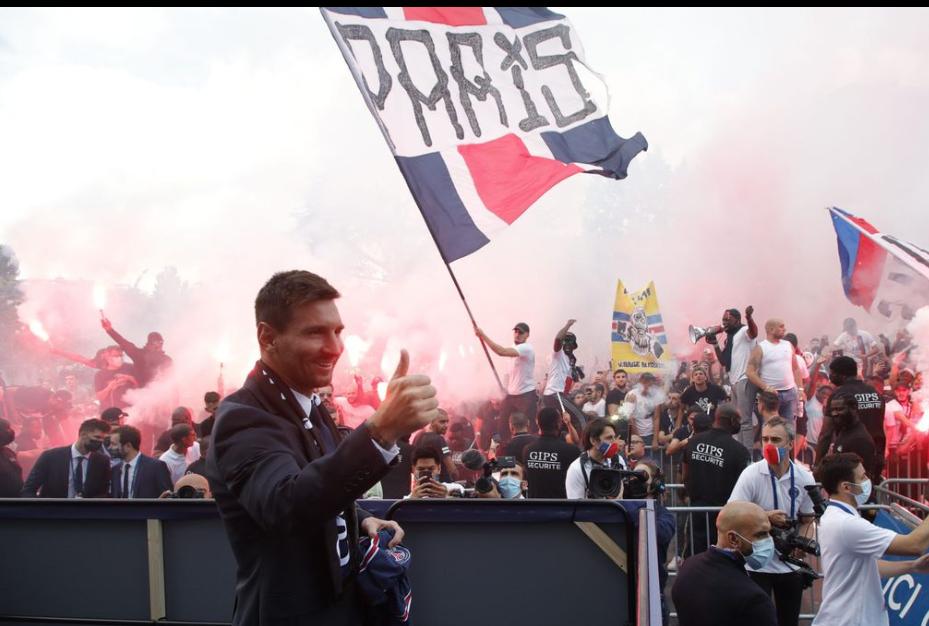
(904, 596)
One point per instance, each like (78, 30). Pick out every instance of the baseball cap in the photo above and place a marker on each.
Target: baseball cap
(523, 326)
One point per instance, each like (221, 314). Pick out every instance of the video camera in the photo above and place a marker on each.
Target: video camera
(474, 460)
(188, 492)
(788, 540)
(606, 483)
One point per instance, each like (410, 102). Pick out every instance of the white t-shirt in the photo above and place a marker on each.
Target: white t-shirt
(599, 407)
(754, 485)
(814, 420)
(643, 411)
(742, 346)
(850, 549)
(777, 365)
(521, 379)
(558, 372)
(575, 487)
(850, 345)
(177, 464)
(892, 427)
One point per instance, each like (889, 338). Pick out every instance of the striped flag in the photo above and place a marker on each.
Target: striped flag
(485, 109)
(880, 273)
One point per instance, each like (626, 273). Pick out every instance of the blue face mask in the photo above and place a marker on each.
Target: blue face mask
(509, 487)
(762, 552)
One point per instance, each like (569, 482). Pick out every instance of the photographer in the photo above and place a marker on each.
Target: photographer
(427, 465)
(601, 450)
(777, 485)
(852, 547)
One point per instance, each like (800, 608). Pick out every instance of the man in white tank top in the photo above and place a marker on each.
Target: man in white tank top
(772, 367)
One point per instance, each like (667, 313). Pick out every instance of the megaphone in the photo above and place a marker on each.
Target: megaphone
(697, 333)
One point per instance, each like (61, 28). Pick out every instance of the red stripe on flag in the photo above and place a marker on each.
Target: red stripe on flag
(452, 16)
(865, 225)
(869, 267)
(509, 179)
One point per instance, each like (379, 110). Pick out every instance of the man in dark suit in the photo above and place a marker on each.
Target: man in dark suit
(284, 482)
(696, 592)
(76, 471)
(136, 475)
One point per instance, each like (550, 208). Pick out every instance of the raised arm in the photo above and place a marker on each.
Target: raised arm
(134, 351)
(496, 347)
(752, 326)
(77, 358)
(561, 333)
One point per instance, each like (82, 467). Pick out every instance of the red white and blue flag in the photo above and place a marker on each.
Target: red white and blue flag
(880, 272)
(484, 108)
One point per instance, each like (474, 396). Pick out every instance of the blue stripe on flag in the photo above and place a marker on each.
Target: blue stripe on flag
(619, 315)
(847, 237)
(449, 221)
(517, 17)
(598, 144)
(368, 12)
(654, 319)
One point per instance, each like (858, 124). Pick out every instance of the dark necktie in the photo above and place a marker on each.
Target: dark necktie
(126, 469)
(79, 477)
(326, 440)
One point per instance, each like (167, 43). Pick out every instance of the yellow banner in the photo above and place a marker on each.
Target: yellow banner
(639, 340)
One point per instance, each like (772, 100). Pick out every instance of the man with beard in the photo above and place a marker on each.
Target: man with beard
(520, 392)
(561, 370)
(869, 406)
(80, 470)
(284, 481)
(618, 393)
(847, 433)
(114, 379)
(702, 393)
(740, 341)
(210, 404)
(149, 360)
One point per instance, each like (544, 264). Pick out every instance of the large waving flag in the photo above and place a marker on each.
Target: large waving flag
(484, 109)
(880, 273)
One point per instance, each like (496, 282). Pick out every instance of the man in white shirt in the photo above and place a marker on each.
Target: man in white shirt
(854, 343)
(560, 368)
(183, 438)
(777, 485)
(899, 416)
(772, 367)
(600, 451)
(852, 547)
(740, 340)
(521, 396)
(596, 402)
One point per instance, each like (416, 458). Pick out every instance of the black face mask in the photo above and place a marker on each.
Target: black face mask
(7, 437)
(93, 445)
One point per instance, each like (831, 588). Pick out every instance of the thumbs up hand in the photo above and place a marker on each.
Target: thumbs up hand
(410, 404)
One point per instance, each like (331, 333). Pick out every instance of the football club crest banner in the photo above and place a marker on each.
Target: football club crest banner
(638, 335)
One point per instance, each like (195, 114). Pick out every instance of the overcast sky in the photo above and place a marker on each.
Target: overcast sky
(233, 142)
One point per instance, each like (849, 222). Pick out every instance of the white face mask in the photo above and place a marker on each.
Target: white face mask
(862, 498)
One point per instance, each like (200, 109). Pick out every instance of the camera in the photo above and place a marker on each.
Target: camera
(188, 492)
(474, 460)
(788, 540)
(606, 483)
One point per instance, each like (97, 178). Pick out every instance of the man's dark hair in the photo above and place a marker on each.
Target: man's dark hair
(735, 313)
(93, 424)
(769, 400)
(179, 433)
(835, 469)
(844, 366)
(426, 452)
(620, 371)
(548, 419)
(518, 421)
(599, 387)
(211, 396)
(154, 336)
(792, 338)
(285, 291)
(130, 435)
(727, 416)
(594, 429)
(850, 401)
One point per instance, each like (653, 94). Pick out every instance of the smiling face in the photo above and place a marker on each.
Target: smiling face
(306, 351)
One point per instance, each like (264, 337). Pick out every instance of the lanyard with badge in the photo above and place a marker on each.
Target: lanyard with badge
(842, 507)
(792, 492)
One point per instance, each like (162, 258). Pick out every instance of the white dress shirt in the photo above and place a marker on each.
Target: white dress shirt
(75, 455)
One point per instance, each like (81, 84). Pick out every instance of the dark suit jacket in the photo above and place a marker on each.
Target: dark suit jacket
(703, 577)
(278, 498)
(50, 474)
(150, 479)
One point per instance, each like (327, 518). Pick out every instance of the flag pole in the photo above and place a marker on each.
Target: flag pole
(362, 87)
